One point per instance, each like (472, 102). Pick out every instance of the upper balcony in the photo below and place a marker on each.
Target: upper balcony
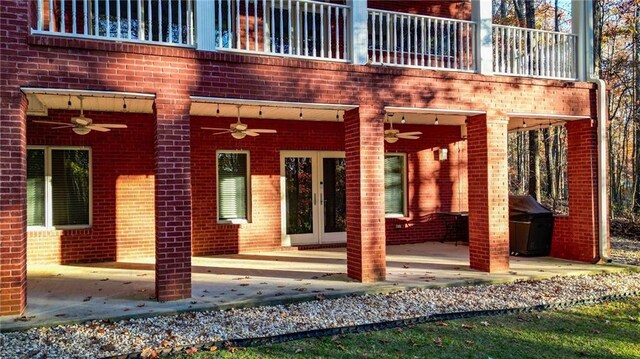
(324, 30)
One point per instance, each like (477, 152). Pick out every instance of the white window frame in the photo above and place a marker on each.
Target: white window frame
(48, 190)
(237, 220)
(404, 185)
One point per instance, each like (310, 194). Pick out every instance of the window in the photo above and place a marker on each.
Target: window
(233, 186)
(395, 185)
(59, 187)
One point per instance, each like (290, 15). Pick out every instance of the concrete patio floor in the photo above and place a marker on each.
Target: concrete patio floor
(69, 293)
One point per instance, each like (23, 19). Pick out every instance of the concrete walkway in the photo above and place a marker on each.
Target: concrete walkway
(61, 294)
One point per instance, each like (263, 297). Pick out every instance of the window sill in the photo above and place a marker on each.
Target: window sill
(58, 228)
(396, 216)
(233, 221)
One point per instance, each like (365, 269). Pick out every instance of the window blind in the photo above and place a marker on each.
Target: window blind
(394, 184)
(232, 186)
(35, 188)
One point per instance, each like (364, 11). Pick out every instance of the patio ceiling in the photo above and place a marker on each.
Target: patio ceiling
(427, 116)
(208, 106)
(42, 100)
(518, 120)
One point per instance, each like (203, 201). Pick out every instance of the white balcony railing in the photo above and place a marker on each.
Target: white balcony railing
(165, 22)
(402, 39)
(297, 28)
(535, 53)
(319, 30)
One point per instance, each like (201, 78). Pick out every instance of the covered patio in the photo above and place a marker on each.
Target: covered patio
(65, 293)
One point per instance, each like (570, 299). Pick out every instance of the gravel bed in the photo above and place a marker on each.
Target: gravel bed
(625, 250)
(104, 338)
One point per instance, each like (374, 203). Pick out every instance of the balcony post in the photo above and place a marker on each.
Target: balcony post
(481, 14)
(582, 23)
(359, 32)
(205, 25)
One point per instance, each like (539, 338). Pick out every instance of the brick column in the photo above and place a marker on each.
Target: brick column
(576, 236)
(488, 192)
(364, 145)
(173, 196)
(13, 206)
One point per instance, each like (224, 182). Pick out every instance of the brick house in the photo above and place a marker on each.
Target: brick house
(330, 78)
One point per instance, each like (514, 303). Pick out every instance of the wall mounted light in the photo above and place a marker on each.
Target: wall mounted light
(443, 154)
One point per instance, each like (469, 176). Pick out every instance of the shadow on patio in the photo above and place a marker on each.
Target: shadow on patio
(59, 293)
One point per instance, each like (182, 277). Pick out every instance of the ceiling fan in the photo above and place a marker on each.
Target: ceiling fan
(240, 130)
(392, 135)
(82, 125)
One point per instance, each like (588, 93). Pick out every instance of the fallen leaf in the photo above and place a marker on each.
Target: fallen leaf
(149, 352)
(486, 324)
(126, 283)
(194, 302)
(438, 342)
(87, 299)
(320, 297)
(442, 324)
(298, 350)
(244, 284)
(405, 266)
(104, 280)
(468, 326)
(470, 342)
(140, 305)
(341, 347)
(191, 351)
(213, 348)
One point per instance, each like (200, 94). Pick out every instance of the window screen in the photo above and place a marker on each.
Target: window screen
(394, 184)
(70, 187)
(232, 186)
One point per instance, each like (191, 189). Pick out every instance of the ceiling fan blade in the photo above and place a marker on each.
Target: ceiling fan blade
(53, 123)
(408, 137)
(216, 129)
(411, 133)
(61, 127)
(263, 130)
(251, 133)
(98, 128)
(221, 133)
(109, 125)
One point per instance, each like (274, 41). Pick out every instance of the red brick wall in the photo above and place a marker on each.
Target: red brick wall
(434, 186)
(453, 9)
(13, 267)
(123, 184)
(576, 235)
(263, 233)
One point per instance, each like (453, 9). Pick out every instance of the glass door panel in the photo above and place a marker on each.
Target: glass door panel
(299, 194)
(334, 195)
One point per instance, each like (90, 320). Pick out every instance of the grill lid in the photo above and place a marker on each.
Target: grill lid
(526, 204)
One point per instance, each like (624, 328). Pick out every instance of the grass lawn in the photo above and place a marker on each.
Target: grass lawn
(610, 330)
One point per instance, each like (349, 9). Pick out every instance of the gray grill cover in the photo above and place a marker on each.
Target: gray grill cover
(526, 204)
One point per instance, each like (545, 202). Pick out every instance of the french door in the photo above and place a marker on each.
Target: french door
(313, 197)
